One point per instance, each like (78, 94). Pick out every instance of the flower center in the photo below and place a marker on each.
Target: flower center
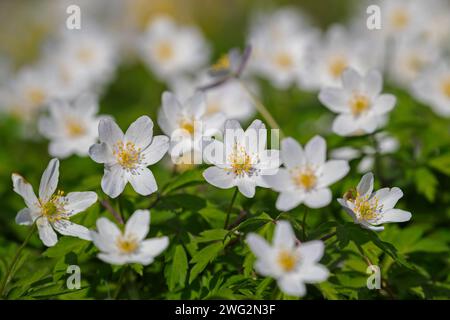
(366, 208)
(75, 128)
(188, 125)
(306, 179)
(359, 104)
(287, 260)
(127, 244)
(415, 63)
(284, 60)
(222, 64)
(337, 65)
(240, 161)
(399, 18)
(164, 51)
(36, 96)
(446, 87)
(127, 155)
(85, 55)
(54, 209)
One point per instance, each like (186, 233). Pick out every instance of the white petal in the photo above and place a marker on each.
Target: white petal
(384, 103)
(109, 132)
(316, 150)
(49, 180)
(366, 164)
(258, 245)
(281, 181)
(46, 233)
(140, 132)
(113, 258)
(113, 181)
(334, 99)
(68, 228)
(284, 236)
(247, 187)
(143, 182)
(79, 201)
(315, 273)
(155, 246)
(373, 82)
(389, 197)
(25, 217)
(157, 149)
(292, 285)
(312, 251)
(196, 105)
(141, 258)
(365, 186)
(25, 190)
(292, 153)
(101, 153)
(333, 171)
(289, 200)
(318, 198)
(107, 229)
(345, 125)
(171, 106)
(395, 215)
(219, 178)
(351, 80)
(138, 224)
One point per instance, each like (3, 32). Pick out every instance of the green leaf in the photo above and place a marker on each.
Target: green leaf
(426, 183)
(203, 257)
(64, 246)
(188, 178)
(179, 268)
(441, 163)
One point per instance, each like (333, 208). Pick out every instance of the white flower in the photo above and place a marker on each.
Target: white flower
(188, 123)
(359, 102)
(127, 156)
(241, 159)
(171, 50)
(341, 49)
(433, 88)
(370, 210)
(52, 211)
(130, 246)
(402, 18)
(228, 98)
(307, 174)
(280, 45)
(71, 127)
(290, 263)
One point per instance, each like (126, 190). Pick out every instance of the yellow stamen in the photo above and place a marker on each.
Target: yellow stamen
(127, 155)
(306, 179)
(287, 260)
(359, 104)
(54, 208)
(284, 60)
(222, 64)
(36, 96)
(446, 87)
(366, 208)
(164, 51)
(127, 245)
(240, 161)
(337, 65)
(399, 19)
(188, 125)
(85, 55)
(75, 128)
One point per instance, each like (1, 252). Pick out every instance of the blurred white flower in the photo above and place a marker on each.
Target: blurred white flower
(71, 127)
(290, 263)
(118, 248)
(341, 49)
(52, 211)
(433, 88)
(370, 210)
(359, 102)
(281, 43)
(307, 174)
(127, 156)
(229, 98)
(171, 50)
(241, 159)
(386, 144)
(401, 18)
(188, 123)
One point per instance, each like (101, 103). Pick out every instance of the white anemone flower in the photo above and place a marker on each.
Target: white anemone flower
(130, 246)
(188, 123)
(171, 50)
(433, 88)
(306, 176)
(52, 210)
(290, 263)
(71, 127)
(361, 106)
(242, 159)
(127, 156)
(371, 209)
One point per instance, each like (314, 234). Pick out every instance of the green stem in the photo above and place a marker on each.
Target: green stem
(262, 110)
(304, 223)
(236, 190)
(120, 282)
(8, 274)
